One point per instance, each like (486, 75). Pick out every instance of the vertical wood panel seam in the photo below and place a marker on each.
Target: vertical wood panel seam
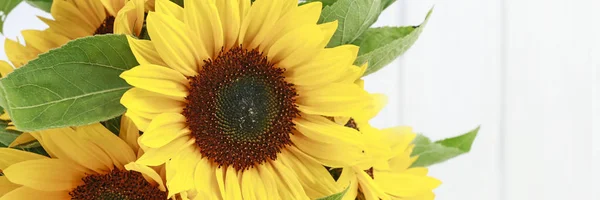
(502, 123)
(402, 90)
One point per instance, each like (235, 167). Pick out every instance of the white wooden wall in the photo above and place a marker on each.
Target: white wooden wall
(526, 70)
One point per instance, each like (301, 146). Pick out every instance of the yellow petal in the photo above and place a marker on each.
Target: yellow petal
(315, 179)
(322, 129)
(232, 185)
(252, 186)
(6, 186)
(169, 36)
(335, 99)
(229, 13)
(5, 69)
(129, 133)
(267, 176)
(169, 8)
(296, 17)
(163, 129)
(25, 193)
(328, 154)
(406, 184)
(157, 79)
(45, 174)
(220, 176)
(259, 22)
(67, 29)
(203, 19)
(141, 122)
(143, 101)
(205, 180)
(67, 144)
(68, 13)
(24, 138)
(180, 170)
(112, 145)
(130, 18)
(348, 180)
(10, 156)
(43, 40)
(148, 173)
(288, 185)
(19, 54)
(370, 188)
(113, 6)
(297, 47)
(417, 171)
(158, 156)
(328, 29)
(94, 10)
(326, 67)
(144, 52)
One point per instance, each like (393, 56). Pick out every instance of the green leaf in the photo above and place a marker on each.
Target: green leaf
(5, 7)
(76, 84)
(386, 3)
(443, 150)
(380, 46)
(114, 125)
(44, 5)
(354, 18)
(337, 196)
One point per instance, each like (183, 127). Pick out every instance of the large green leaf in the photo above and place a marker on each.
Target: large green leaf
(380, 46)
(44, 5)
(337, 196)
(5, 7)
(437, 152)
(354, 18)
(76, 84)
(386, 3)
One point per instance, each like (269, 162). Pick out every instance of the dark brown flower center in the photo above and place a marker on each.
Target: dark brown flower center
(240, 109)
(106, 27)
(117, 185)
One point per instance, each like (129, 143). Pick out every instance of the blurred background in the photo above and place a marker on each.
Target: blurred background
(527, 71)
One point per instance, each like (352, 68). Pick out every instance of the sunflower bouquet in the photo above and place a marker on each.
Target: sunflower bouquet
(207, 99)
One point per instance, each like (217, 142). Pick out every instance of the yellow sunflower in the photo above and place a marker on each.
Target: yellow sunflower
(87, 162)
(233, 97)
(392, 177)
(74, 19)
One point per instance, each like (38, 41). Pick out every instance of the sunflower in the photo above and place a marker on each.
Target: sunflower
(236, 97)
(75, 19)
(392, 177)
(87, 162)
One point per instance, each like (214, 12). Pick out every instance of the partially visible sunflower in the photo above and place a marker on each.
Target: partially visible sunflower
(87, 162)
(73, 19)
(390, 178)
(236, 97)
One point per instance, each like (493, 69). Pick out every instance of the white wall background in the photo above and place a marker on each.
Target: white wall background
(526, 70)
